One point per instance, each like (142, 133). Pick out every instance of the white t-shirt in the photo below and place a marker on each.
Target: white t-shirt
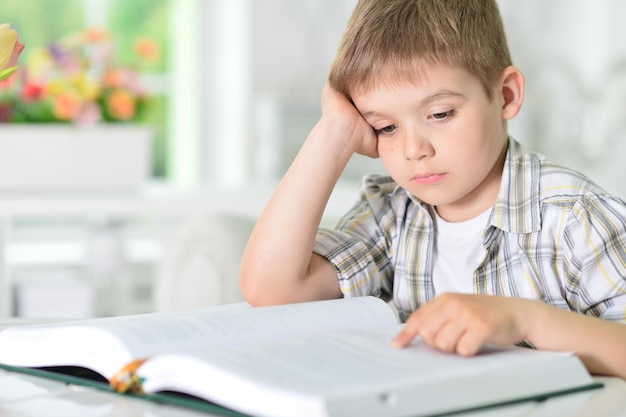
(458, 252)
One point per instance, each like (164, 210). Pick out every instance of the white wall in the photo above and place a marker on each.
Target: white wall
(569, 50)
(264, 96)
(575, 65)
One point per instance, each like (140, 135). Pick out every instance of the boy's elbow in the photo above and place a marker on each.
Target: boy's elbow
(260, 297)
(255, 289)
(265, 289)
(252, 295)
(248, 288)
(264, 283)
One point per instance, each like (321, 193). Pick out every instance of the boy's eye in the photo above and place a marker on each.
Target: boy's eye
(443, 116)
(386, 129)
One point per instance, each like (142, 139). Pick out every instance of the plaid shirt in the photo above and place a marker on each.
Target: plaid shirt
(552, 235)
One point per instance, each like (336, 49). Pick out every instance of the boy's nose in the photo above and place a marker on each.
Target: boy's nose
(416, 147)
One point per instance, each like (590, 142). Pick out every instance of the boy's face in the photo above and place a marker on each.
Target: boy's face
(440, 138)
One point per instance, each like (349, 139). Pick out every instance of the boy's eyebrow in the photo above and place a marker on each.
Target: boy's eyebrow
(369, 114)
(444, 94)
(441, 95)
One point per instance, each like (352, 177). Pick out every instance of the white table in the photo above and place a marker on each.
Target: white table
(26, 395)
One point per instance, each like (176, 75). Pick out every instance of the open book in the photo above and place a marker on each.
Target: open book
(325, 358)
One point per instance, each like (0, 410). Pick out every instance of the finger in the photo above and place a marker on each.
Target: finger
(449, 334)
(472, 340)
(410, 329)
(407, 334)
(424, 323)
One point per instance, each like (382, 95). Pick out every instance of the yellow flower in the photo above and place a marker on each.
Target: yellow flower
(58, 86)
(10, 50)
(88, 88)
(8, 39)
(39, 62)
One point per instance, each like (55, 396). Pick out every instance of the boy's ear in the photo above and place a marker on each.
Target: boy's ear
(512, 90)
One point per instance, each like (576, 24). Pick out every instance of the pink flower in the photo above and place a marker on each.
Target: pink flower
(89, 114)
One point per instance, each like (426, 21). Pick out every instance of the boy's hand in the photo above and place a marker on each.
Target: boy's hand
(336, 108)
(462, 323)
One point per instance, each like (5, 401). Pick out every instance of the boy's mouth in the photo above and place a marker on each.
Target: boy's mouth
(428, 178)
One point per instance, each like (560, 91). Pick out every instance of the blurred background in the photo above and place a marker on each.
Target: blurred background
(136, 131)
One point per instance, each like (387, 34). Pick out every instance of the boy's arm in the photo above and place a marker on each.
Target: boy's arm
(595, 235)
(278, 265)
(462, 323)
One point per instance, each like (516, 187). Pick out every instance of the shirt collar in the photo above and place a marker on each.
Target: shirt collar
(517, 208)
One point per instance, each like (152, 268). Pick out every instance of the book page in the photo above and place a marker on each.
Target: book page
(360, 373)
(109, 343)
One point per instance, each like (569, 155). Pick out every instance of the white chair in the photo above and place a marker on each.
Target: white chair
(200, 265)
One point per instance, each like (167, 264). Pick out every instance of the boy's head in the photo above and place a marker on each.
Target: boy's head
(386, 40)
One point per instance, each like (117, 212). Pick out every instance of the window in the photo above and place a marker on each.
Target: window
(40, 22)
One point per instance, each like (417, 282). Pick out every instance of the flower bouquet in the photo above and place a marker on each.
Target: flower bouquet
(76, 80)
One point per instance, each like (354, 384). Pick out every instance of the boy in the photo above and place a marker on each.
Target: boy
(474, 239)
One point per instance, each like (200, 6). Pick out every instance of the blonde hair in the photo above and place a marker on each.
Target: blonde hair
(386, 40)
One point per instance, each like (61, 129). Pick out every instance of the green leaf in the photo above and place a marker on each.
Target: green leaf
(7, 72)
